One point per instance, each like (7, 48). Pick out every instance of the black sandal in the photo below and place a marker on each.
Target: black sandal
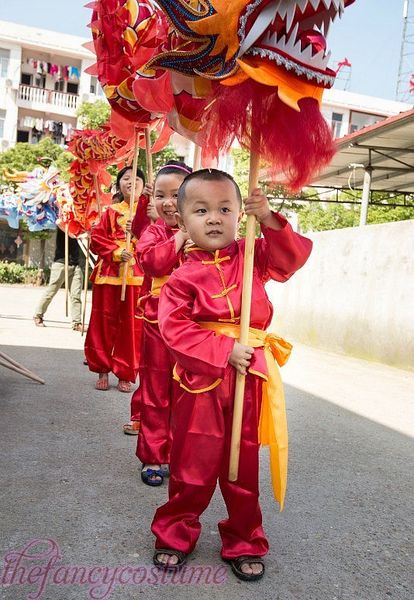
(237, 563)
(146, 475)
(182, 559)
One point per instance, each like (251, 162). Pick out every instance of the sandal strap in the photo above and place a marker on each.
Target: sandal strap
(151, 472)
(239, 561)
(170, 552)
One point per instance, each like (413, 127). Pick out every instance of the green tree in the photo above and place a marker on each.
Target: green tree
(25, 157)
(93, 114)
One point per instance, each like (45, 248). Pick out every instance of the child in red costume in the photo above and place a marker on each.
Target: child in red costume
(113, 340)
(159, 252)
(199, 317)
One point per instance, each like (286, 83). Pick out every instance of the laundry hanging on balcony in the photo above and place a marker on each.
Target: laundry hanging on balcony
(57, 128)
(66, 72)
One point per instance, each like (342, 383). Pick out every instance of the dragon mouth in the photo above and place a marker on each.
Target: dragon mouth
(293, 35)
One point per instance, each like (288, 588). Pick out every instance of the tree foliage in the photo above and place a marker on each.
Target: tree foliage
(92, 115)
(25, 156)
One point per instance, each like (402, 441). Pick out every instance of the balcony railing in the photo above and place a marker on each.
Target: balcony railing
(36, 95)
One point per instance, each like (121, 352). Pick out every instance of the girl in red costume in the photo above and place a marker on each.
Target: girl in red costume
(113, 340)
(159, 252)
(199, 317)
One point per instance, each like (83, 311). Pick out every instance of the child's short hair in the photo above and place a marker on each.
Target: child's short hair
(205, 175)
(174, 167)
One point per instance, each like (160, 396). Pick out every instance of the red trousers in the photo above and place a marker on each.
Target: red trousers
(199, 457)
(113, 341)
(153, 399)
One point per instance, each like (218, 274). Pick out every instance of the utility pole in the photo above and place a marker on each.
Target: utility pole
(406, 68)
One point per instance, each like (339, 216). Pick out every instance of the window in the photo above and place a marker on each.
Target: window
(40, 80)
(72, 88)
(26, 79)
(94, 85)
(22, 136)
(336, 124)
(4, 61)
(95, 88)
(2, 120)
(60, 85)
(360, 120)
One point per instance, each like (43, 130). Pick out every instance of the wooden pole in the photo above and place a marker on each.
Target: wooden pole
(244, 323)
(98, 195)
(67, 269)
(197, 157)
(148, 155)
(9, 363)
(131, 209)
(85, 296)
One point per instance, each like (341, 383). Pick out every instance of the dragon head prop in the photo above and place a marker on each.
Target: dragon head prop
(218, 69)
(280, 43)
(258, 70)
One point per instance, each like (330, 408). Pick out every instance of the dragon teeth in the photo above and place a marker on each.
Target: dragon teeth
(290, 45)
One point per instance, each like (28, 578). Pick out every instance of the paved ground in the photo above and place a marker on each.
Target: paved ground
(69, 475)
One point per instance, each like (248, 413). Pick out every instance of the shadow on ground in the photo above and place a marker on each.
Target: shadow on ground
(70, 475)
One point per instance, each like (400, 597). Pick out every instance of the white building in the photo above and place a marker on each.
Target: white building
(42, 83)
(347, 112)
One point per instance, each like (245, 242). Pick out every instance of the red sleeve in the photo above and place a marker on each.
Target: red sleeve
(281, 252)
(102, 242)
(156, 253)
(141, 220)
(195, 349)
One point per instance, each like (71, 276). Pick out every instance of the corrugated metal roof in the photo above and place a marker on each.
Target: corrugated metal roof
(388, 146)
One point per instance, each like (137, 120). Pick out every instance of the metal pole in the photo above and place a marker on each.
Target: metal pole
(365, 196)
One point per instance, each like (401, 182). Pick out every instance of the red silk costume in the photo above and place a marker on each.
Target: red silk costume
(208, 288)
(152, 400)
(113, 341)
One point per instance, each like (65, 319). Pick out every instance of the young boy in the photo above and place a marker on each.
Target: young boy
(200, 302)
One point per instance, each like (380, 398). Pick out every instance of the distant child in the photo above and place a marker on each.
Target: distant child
(199, 316)
(113, 341)
(159, 252)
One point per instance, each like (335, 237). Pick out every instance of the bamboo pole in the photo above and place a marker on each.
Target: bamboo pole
(244, 323)
(98, 195)
(85, 296)
(148, 155)
(131, 209)
(67, 269)
(9, 363)
(197, 157)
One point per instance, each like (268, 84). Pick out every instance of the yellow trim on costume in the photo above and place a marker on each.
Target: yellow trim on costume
(123, 209)
(272, 422)
(176, 377)
(111, 280)
(157, 283)
(225, 291)
(149, 320)
(217, 260)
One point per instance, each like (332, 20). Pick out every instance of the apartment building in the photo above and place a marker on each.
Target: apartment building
(42, 83)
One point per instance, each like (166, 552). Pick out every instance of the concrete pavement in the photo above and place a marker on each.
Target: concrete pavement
(70, 481)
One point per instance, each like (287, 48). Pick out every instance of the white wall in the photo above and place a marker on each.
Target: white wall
(8, 91)
(355, 295)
